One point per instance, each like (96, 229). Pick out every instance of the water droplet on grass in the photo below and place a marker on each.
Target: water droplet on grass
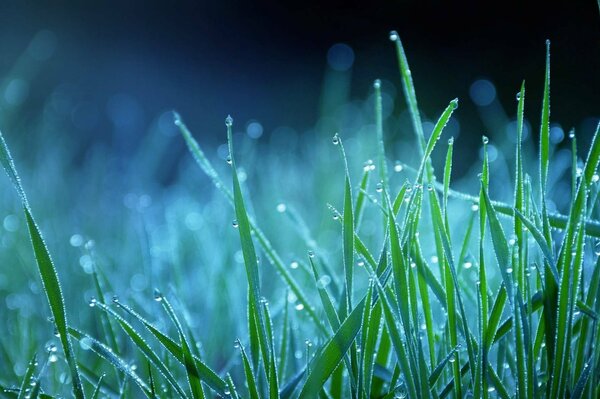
(518, 96)
(229, 121)
(311, 254)
(299, 306)
(572, 134)
(158, 296)
(398, 167)
(377, 84)
(451, 141)
(336, 139)
(379, 187)
(281, 208)
(235, 224)
(228, 159)
(393, 35)
(92, 302)
(485, 139)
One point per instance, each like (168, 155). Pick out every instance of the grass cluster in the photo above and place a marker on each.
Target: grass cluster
(426, 292)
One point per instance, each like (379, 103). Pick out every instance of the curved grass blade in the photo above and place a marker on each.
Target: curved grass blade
(107, 354)
(250, 379)
(28, 378)
(143, 347)
(193, 375)
(437, 371)
(47, 271)
(205, 373)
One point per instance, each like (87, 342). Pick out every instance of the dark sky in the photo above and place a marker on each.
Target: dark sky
(266, 60)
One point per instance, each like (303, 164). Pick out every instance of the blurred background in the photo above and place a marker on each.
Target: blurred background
(86, 94)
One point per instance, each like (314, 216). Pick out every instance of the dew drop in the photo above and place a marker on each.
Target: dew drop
(451, 140)
(518, 96)
(509, 270)
(158, 296)
(393, 35)
(299, 306)
(235, 224)
(229, 121)
(475, 207)
(294, 265)
(398, 167)
(311, 254)
(360, 263)
(485, 139)
(228, 159)
(572, 134)
(379, 187)
(336, 139)
(115, 299)
(595, 178)
(324, 281)
(281, 207)
(377, 84)
(53, 358)
(92, 302)
(429, 187)
(597, 248)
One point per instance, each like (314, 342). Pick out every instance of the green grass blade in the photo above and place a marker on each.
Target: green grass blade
(248, 251)
(205, 373)
(28, 378)
(332, 353)
(96, 392)
(392, 323)
(545, 126)
(143, 347)
(250, 379)
(107, 354)
(437, 371)
(47, 271)
(192, 373)
(381, 163)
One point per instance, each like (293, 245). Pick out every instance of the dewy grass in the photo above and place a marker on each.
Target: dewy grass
(428, 307)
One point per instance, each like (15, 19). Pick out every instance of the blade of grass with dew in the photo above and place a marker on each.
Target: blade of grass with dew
(424, 299)
(437, 371)
(107, 354)
(366, 319)
(108, 330)
(47, 271)
(273, 256)
(326, 301)
(28, 377)
(205, 373)
(248, 251)
(144, 348)
(347, 229)
(566, 293)
(285, 332)
(272, 372)
(250, 378)
(360, 199)
(96, 392)
(481, 386)
(583, 332)
(401, 355)
(192, 374)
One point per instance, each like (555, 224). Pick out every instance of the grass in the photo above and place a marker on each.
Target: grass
(414, 289)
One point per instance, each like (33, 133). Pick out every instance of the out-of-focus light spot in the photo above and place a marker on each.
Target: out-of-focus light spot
(16, 91)
(76, 240)
(193, 221)
(85, 116)
(166, 125)
(557, 134)
(340, 57)
(138, 282)
(492, 152)
(511, 131)
(11, 223)
(42, 46)
(254, 129)
(124, 111)
(86, 263)
(482, 92)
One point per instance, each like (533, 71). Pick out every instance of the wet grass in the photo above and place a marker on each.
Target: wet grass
(416, 289)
